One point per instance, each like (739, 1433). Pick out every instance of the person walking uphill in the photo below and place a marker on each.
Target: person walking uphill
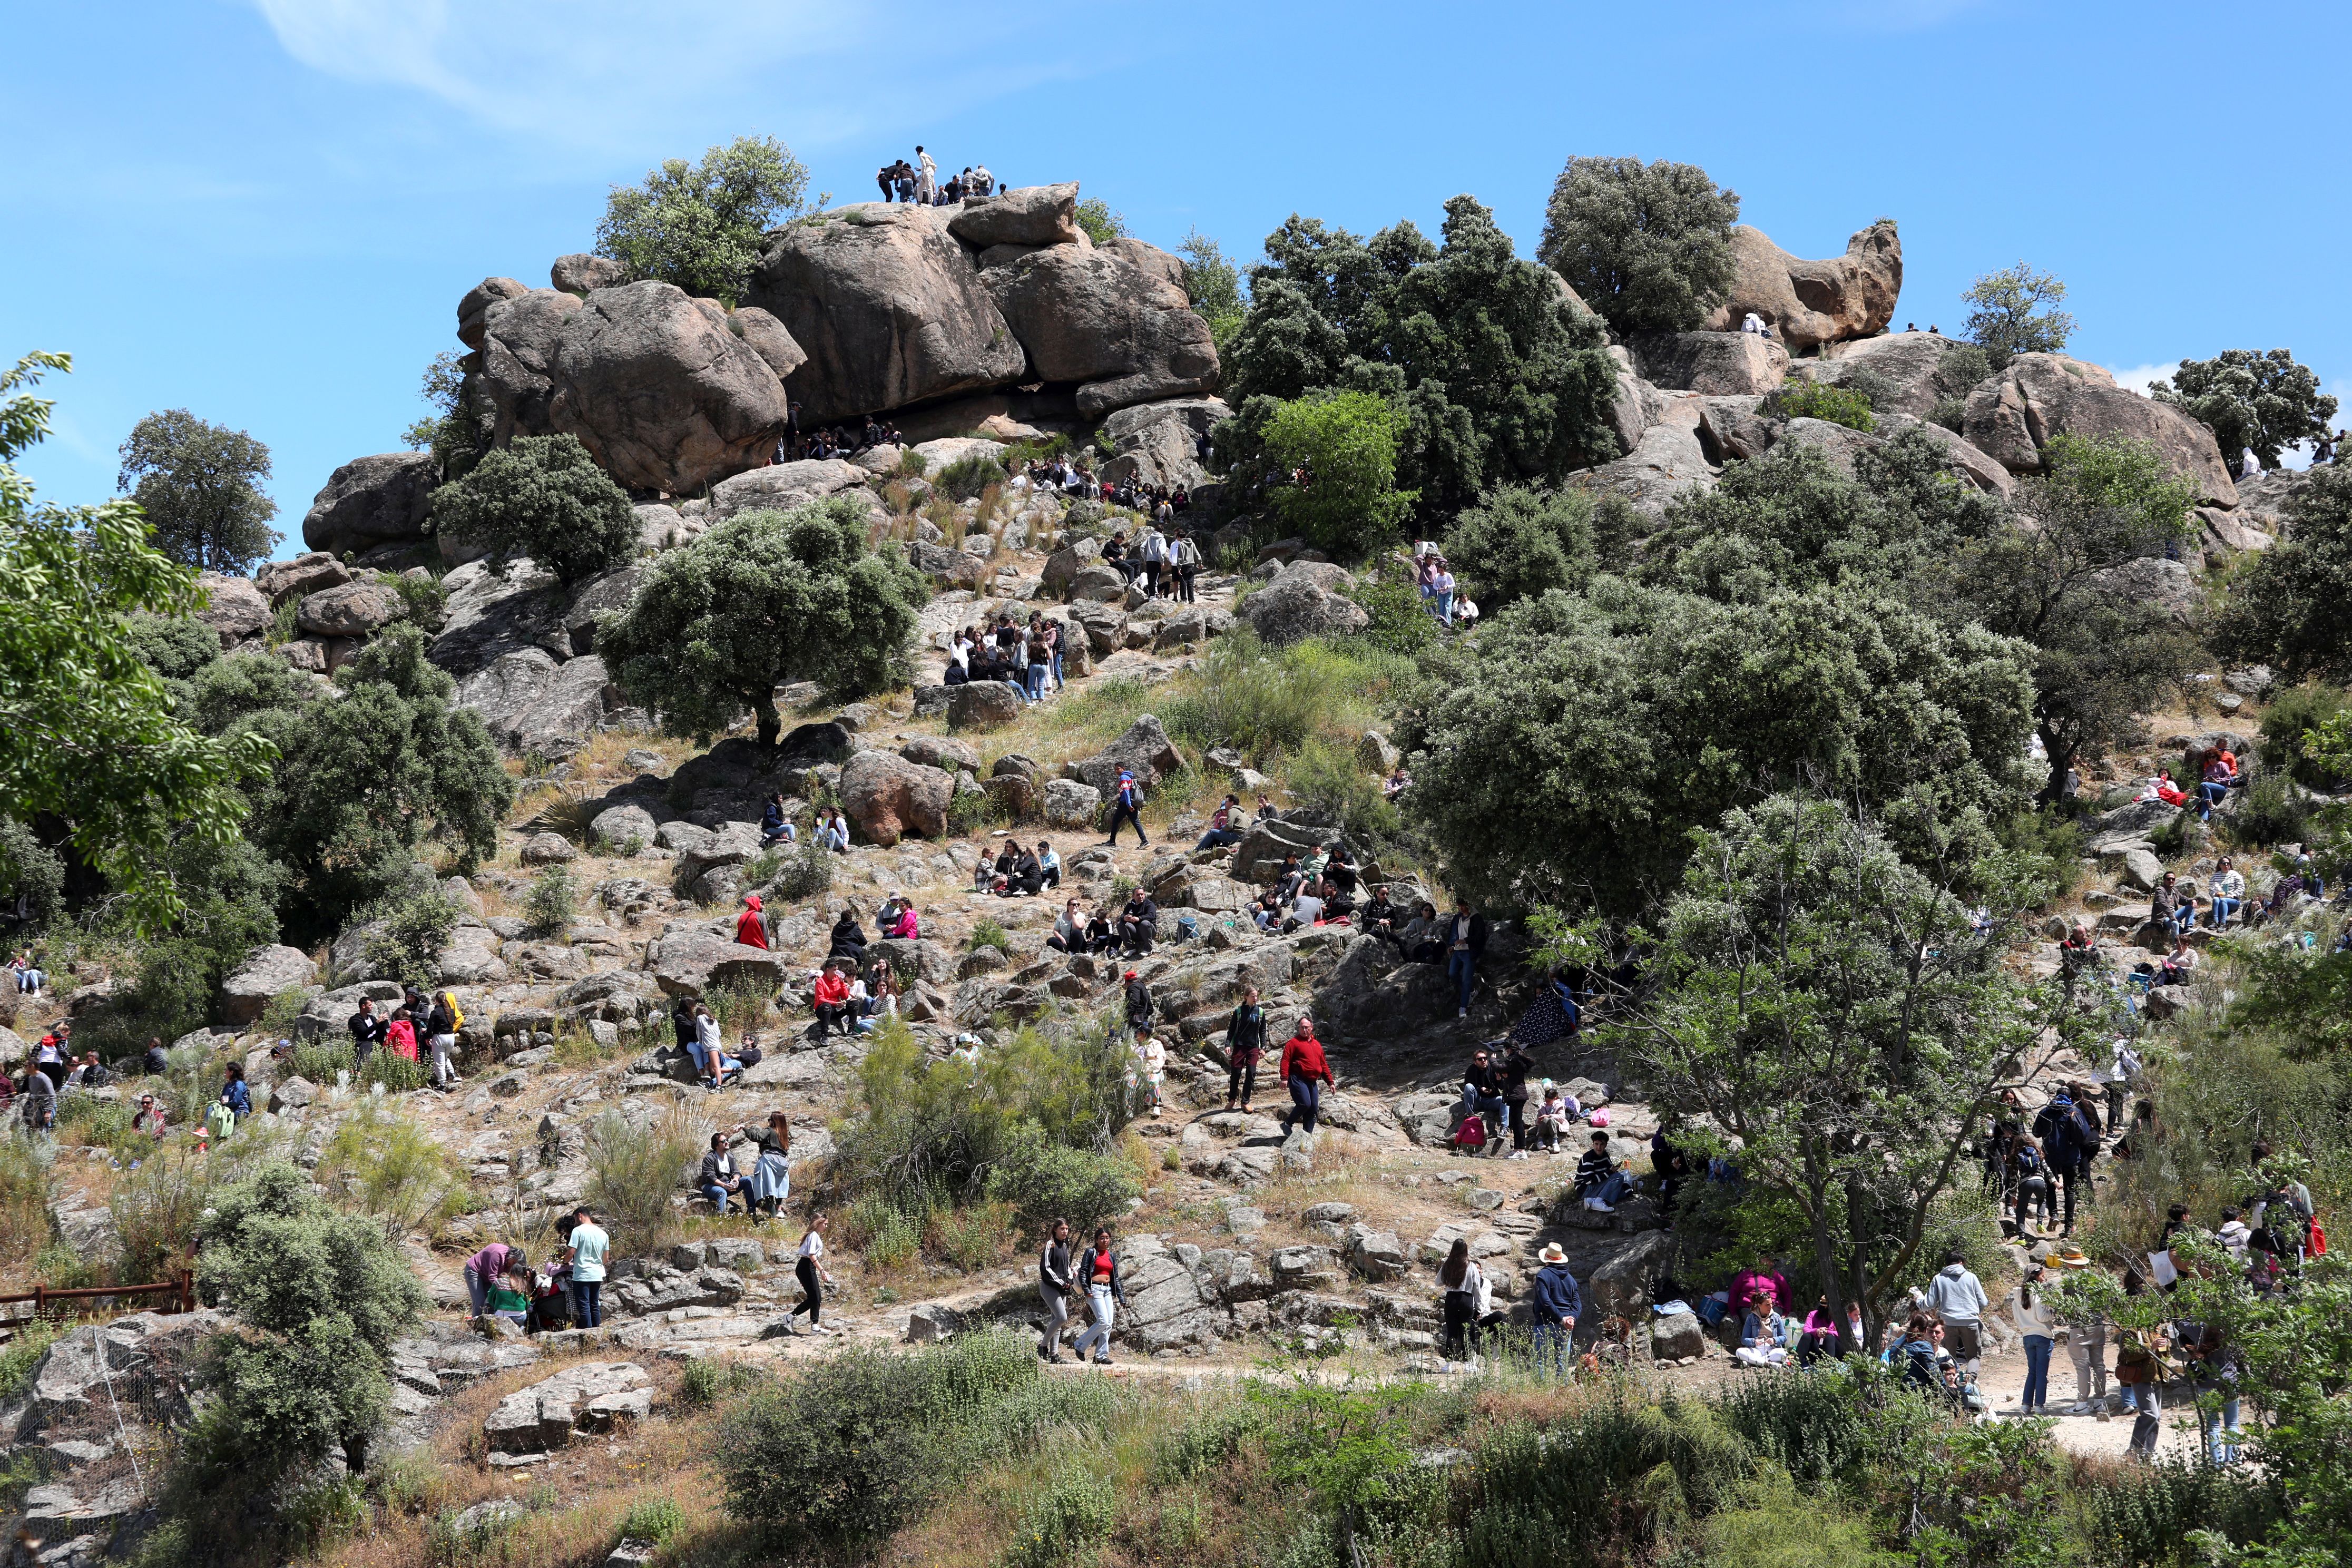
(1126, 806)
(1099, 1272)
(1307, 1074)
(809, 1268)
(1055, 1289)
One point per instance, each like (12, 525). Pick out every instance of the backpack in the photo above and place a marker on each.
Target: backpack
(457, 1014)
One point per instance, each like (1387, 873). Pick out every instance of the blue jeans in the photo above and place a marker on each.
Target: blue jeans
(586, 1298)
(2226, 910)
(718, 1196)
(1217, 838)
(1553, 1337)
(1097, 1333)
(2141, 1398)
(1037, 673)
(2037, 1371)
(1486, 1105)
(1305, 1100)
(1614, 1190)
(1444, 602)
(1462, 968)
(2210, 793)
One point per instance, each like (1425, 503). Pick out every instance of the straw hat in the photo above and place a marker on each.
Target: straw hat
(1552, 1254)
(2071, 1258)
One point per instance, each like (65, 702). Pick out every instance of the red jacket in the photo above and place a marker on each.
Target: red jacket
(1302, 1057)
(750, 930)
(832, 989)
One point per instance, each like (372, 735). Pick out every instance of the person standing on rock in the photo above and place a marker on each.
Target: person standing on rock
(1513, 1071)
(1055, 1289)
(1188, 567)
(1126, 805)
(1461, 1278)
(1306, 1074)
(1245, 1045)
(1138, 996)
(588, 1246)
(367, 1032)
(808, 1268)
(1558, 1302)
(882, 178)
(1098, 1271)
(441, 1021)
(927, 178)
(1151, 1065)
(1465, 940)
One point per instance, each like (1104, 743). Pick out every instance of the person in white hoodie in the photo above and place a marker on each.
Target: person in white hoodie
(1957, 1299)
(2036, 1318)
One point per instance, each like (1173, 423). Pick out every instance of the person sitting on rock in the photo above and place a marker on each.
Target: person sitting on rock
(1102, 936)
(1394, 784)
(1423, 936)
(2220, 773)
(833, 832)
(1552, 1121)
(1008, 858)
(1306, 909)
(1482, 1091)
(751, 926)
(1049, 866)
(2167, 909)
(906, 926)
(1601, 1185)
(1266, 911)
(2227, 889)
(1069, 933)
(718, 1180)
(1028, 878)
(830, 999)
(1139, 924)
(775, 826)
(1221, 831)
(1337, 905)
(1470, 1138)
(848, 938)
(1287, 881)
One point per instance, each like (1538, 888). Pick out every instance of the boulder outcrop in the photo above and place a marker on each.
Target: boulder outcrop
(264, 974)
(1159, 443)
(381, 500)
(531, 702)
(888, 307)
(1719, 364)
(1914, 363)
(1812, 302)
(2014, 417)
(1304, 601)
(1034, 215)
(1094, 317)
(580, 273)
(887, 797)
(473, 310)
(521, 335)
(234, 608)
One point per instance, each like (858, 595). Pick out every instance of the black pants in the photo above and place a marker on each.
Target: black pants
(1519, 1114)
(1241, 1078)
(829, 1014)
(2068, 1178)
(1184, 582)
(1460, 1307)
(1305, 1103)
(1120, 814)
(813, 1290)
(1151, 578)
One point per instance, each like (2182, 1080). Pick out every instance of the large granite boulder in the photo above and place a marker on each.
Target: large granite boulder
(768, 338)
(1094, 317)
(234, 608)
(1034, 215)
(1812, 302)
(2013, 418)
(587, 1396)
(1667, 461)
(1158, 443)
(1144, 750)
(486, 616)
(1977, 467)
(888, 307)
(354, 610)
(531, 703)
(264, 974)
(1149, 257)
(689, 963)
(473, 310)
(983, 705)
(886, 797)
(521, 337)
(309, 573)
(1303, 601)
(781, 487)
(1914, 364)
(661, 392)
(1718, 363)
(381, 499)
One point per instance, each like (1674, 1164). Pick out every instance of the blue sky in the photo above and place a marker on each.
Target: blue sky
(266, 210)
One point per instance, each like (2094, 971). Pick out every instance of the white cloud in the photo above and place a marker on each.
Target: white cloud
(603, 72)
(2139, 376)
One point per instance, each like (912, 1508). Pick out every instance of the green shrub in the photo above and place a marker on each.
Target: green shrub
(972, 1238)
(2145, 1515)
(887, 1237)
(2271, 812)
(987, 933)
(157, 1206)
(655, 1520)
(703, 1383)
(451, 1544)
(277, 1018)
(1075, 1510)
(739, 1005)
(761, 867)
(964, 479)
(1400, 622)
(317, 1063)
(970, 811)
(2292, 717)
(2048, 844)
(1045, 1180)
(804, 872)
(416, 926)
(395, 1072)
(912, 465)
(1265, 702)
(1519, 541)
(551, 902)
(1819, 400)
(380, 1163)
(1206, 1442)
(421, 599)
(1325, 776)
(1951, 413)
(22, 1352)
(857, 1446)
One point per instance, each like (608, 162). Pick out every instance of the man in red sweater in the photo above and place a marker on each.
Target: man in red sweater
(831, 1000)
(1306, 1073)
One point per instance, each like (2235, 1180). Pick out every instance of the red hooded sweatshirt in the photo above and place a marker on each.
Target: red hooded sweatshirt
(750, 929)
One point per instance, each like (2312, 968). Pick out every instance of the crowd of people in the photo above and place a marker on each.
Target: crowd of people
(1027, 658)
(918, 182)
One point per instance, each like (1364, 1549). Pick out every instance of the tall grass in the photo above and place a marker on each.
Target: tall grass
(382, 1164)
(1266, 703)
(638, 1160)
(26, 1165)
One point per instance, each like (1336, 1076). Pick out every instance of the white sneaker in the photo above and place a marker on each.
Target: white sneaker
(1462, 1013)
(1597, 1207)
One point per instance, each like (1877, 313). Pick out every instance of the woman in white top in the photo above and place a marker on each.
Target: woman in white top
(809, 1270)
(714, 1053)
(1463, 1282)
(2030, 1309)
(1151, 1058)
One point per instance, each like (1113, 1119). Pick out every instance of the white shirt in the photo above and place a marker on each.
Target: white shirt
(1154, 1057)
(813, 1245)
(1307, 910)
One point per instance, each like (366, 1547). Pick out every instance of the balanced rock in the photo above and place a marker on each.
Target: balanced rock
(886, 797)
(1813, 303)
(1144, 750)
(690, 962)
(983, 705)
(1034, 215)
(663, 397)
(580, 273)
(768, 338)
(381, 499)
(473, 310)
(781, 487)
(888, 307)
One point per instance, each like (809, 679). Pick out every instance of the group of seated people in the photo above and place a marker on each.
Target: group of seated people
(776, 826)
(1056, 473)
(1132, 929)
(838, 441)
(2217, 773)
(1018, 873)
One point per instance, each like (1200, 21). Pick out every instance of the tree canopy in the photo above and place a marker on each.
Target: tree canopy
(699, 226)
(1825, 1010)
(1345, 443)
(2251, 399)
(2291, 605)
(2007, 315)
(1648, 246)
(87, 728)
(199, 485)
(544, 499)
(763, 598)
(1521, 540)
(1214, 286)
(1501, 377)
